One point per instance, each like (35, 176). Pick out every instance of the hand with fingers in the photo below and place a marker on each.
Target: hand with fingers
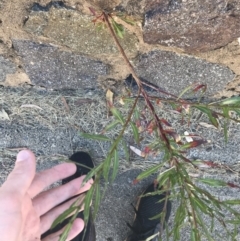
(26, 210)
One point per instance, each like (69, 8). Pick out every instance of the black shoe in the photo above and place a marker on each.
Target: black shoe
(88, 233)
(148, 207)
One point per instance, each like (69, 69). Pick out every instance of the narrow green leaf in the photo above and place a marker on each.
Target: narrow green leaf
(194, 235)
(148, 172)
(63, 216)
(200, 204)
(231, 101)
(136, 114)
(184, 91)
(129, 21)
(164, 176)
(213, 182)
(209, 113)
(87, 203)
(118, 28)
(97, 199)
(202, 223)
(95, 137)
(126, 150)
(236, 221)
(202, 109)
(111, 125)
(178, 221)
(117, 115)
(225, 112)
(232, 202)
(135, 132)
(213, 120)
(115, 165)
(67, 229)
(93, 172)
(65, 233)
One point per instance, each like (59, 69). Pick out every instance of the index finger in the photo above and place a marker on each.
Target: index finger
(47, 177)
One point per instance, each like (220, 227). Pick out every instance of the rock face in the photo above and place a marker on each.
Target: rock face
(6, 67)
(69, 27)
(174, 73)
(194, 25)
(47, 66)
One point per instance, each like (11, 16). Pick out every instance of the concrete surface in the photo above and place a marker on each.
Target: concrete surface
(174, 72)
(50, 67)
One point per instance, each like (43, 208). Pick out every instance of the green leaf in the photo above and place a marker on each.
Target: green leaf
(67, 229)
(111, 125)
(97, 199)
(164, 176)
(118, 28)
(148, 172)
(135, 132)
(65, 233)
(115, 165)
(225, 112)
(231, 101)
(213, 182)
(63, 216)
(194, 235)
(117, 115)
(95, 137)
(128, 20)
(200, 204)
(178, 220)
(184, 91)
(202, 223)
(136, 114)
(213, 120)
(209, 113)
(87, 203)
(93, 172)
(232, 202)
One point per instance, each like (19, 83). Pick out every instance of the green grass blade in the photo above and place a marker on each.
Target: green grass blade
(135, 132)
(95, 137)
(111, 125)
(213, 182)
(115, 165)
(117, 115)
(97, 199)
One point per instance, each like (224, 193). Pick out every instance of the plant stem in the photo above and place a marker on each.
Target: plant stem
(139, 83)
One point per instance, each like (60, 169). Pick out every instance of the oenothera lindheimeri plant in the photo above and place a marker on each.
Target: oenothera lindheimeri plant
(194, 202)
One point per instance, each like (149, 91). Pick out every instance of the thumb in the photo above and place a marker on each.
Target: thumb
(20, 179)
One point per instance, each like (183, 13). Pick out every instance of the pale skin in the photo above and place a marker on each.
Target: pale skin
(26, 211)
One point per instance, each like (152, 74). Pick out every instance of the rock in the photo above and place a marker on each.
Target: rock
(52, 68)
(195, 25)
(6, 67)
(174, 72)
(71, 28)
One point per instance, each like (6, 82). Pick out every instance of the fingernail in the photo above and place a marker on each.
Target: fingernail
(23, 155)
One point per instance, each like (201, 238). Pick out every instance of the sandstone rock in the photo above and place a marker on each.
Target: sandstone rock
(195, 25)
(47, 66)
(6, 67)
(71, 28)
(174, 73)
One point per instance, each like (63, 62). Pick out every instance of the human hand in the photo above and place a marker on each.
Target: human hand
(26, 211)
